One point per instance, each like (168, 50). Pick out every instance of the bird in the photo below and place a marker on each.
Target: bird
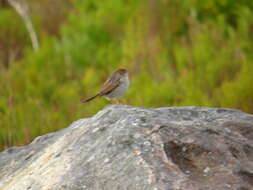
(114, 87)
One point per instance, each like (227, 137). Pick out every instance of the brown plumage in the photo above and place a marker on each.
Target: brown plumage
(114, 87)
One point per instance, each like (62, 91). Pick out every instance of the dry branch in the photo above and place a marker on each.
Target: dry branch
(21, 8)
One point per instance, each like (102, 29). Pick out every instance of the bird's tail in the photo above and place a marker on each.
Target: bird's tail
(89, 99)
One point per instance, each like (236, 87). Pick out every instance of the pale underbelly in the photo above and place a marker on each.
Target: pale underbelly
(118, 92)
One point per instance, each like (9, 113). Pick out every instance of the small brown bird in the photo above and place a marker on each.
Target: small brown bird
(114, 87)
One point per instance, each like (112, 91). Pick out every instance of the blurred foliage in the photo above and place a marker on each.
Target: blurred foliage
(191, 52)
(13, 37)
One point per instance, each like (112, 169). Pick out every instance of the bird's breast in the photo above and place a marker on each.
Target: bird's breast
(120, 90)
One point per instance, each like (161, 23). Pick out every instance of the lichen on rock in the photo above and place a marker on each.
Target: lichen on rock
(124, 147)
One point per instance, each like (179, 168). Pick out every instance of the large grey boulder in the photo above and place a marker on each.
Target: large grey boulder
(131, 148)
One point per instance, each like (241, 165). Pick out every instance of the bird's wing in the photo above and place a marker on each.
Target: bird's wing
(109, 85)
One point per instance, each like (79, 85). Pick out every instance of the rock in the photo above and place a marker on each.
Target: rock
(131, 148)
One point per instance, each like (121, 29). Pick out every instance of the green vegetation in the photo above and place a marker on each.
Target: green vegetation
(179, 53)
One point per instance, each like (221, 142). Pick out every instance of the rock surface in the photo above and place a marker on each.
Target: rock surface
(130, 148)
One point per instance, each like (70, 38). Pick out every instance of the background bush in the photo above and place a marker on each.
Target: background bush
(191, 52)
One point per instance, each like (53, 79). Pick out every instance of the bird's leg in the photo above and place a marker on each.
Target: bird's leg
(117, 101)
